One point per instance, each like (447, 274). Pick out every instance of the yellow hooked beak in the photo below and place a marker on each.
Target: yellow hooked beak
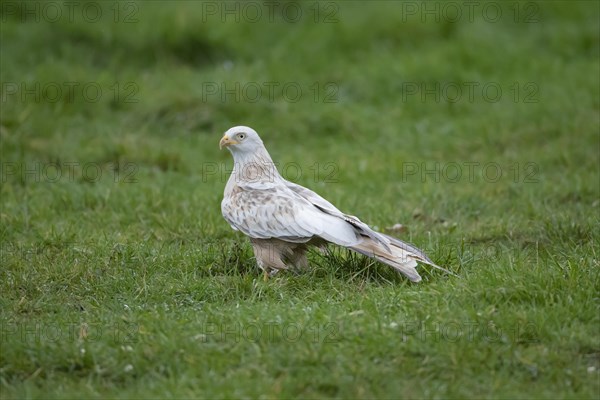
(226, 141)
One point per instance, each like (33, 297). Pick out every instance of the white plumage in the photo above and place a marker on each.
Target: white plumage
(282, 218)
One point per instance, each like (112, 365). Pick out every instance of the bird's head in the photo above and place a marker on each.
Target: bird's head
(241, 139)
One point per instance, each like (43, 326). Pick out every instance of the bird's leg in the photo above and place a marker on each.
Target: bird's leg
(264, 268)
(267, 257)
(298, 259)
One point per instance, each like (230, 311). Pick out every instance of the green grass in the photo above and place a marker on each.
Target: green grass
(120, 278)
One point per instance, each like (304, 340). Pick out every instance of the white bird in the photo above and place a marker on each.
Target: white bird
(282, 219)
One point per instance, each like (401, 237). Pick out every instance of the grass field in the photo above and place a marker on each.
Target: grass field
(476, 129)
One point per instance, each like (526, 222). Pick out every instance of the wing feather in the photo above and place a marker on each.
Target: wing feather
(326, 207)
(281, 213)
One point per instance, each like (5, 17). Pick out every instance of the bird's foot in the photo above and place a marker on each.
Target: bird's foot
(269, 273)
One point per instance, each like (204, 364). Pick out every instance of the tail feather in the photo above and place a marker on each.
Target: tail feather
(397, 254)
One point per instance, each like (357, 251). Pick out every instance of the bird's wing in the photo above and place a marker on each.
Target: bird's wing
(362, 228)
(326, 207)
(281, 213)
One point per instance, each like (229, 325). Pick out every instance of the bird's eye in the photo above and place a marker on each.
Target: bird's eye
(241, 136)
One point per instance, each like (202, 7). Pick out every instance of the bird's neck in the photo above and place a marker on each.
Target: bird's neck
(254, 167)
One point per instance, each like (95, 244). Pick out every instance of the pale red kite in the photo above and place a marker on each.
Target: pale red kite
(282, 218)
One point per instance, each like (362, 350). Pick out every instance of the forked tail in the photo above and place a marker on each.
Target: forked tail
(397, 254)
